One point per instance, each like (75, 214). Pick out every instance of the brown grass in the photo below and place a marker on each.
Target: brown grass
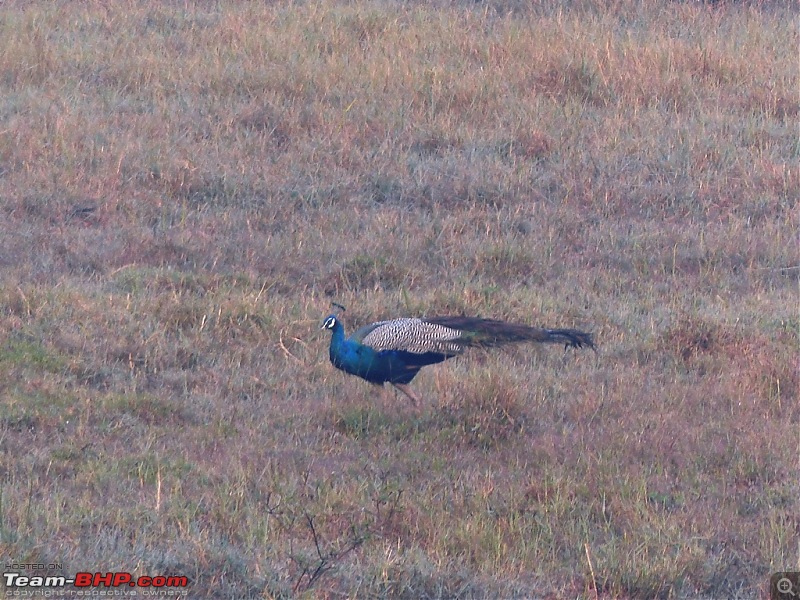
(186, 188)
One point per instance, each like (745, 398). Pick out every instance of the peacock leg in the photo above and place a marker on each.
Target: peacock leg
(406, 389)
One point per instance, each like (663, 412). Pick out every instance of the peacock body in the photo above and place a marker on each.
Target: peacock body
(394, 351)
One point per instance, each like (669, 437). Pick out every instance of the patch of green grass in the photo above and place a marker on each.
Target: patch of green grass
(27, 353)
(148, 469)
(361, 422)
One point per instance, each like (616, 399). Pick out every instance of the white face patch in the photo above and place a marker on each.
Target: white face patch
(329, 322)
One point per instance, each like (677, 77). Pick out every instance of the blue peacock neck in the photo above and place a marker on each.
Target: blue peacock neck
(337, 341)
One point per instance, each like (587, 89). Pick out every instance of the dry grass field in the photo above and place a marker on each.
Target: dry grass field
(185, 189)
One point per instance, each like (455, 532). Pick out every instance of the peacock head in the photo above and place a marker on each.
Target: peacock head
(331, 320)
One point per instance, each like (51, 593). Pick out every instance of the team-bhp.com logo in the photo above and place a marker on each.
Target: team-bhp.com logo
(16, 582)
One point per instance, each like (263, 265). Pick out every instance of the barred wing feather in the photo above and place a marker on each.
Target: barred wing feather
(410, 335)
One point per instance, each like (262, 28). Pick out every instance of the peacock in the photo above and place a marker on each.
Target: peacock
(394, 351)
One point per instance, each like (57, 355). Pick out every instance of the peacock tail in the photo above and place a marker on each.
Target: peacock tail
(491, 332)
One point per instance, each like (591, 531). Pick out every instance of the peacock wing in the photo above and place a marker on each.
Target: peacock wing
(410, 335)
